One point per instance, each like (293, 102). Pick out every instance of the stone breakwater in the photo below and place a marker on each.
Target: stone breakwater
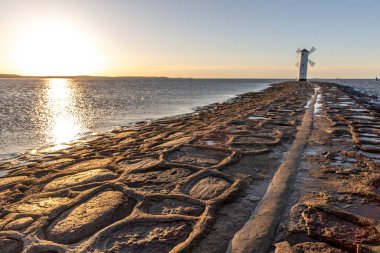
(191, 183)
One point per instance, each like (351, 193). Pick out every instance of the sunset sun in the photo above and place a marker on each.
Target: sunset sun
(54, 49)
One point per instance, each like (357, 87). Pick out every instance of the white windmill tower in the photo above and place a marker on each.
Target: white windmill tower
(302, 63)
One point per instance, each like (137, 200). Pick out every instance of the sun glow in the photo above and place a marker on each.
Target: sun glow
(64, 123)
(54, 48)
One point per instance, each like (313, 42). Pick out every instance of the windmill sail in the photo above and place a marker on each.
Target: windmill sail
(311, 63)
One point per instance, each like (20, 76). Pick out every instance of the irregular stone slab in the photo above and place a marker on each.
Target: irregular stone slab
(10, 245)
(127, 141)
(90, 164)
(175, 142)
(209, 188)
(371, 148)
(214, 139)
(255, 139)
(197, 156)
(376, 186)
(57, 161)
(19, 223)
(39, 205)
(87, 218)
(125, 134)
(85, 177)
(160, 180)
(6, 181)
(338, 231)
(360, 206)
(146, 237)
(315, 247)
(173, 206)
(251, 148)
(257, 118)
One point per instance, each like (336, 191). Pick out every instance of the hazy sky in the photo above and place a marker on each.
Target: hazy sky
(190, 38)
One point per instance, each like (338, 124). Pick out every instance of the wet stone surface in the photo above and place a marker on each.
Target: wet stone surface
(11, 180)
(147, 237)
(87, 218)
(337, 206)
(197, 156)
(172, 206)
(89, 164)
(39, 205)
(338, 231)
(255, 140)
(19, 223)
(159, 180)
(308, 247)
(209, 187)
(10, 245)
(85, 177)
(214, 139)
(360, 206)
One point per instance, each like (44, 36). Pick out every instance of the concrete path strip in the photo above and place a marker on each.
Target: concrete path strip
(256, 235)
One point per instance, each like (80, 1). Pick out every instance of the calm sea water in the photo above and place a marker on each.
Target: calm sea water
(40, 112)
(368, 86)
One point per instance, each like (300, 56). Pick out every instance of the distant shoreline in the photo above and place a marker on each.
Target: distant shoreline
(2, 76)
(82, 76)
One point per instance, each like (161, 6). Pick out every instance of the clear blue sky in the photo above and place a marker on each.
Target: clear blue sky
(209, 38)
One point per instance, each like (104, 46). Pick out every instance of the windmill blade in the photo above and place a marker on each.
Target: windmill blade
(311, 63)
(297, 64)
(312, 50)
(298, 51)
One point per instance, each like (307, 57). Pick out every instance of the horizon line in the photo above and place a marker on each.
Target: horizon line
(166, 77)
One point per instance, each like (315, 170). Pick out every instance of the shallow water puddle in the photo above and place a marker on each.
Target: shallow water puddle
(314, 150)
(307, 104)
(370, 210)
(361, 117)
(210, 143)
(343, 161)
(345, 104)
(3, 173)
(363, 207)
(370, 140)
(358, 110)
(370, 155)
(318, 105)
(257, 118)
(368, 135)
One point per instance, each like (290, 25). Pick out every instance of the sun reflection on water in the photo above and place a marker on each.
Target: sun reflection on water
(64, 123)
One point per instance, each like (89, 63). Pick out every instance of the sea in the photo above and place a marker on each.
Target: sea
(36, 113)
(369, 86)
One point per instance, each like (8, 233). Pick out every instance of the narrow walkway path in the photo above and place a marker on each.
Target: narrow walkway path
(257, 233)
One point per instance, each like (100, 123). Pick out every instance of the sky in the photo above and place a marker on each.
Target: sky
(197, 38)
